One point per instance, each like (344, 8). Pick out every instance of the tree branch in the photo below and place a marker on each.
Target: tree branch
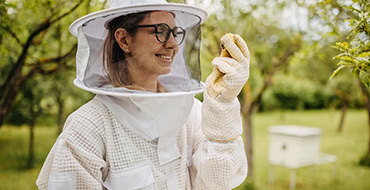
(14, 36)
(61, 62)
(17, 68)
(66, 13)
(56, 59)
(281, 61)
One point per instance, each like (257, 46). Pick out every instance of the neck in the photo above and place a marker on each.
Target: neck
(143, 79)
(148, 84)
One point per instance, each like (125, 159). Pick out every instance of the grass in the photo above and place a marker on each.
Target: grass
(13, 157)
(348, 146)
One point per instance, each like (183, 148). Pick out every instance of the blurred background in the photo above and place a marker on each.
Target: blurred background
(309, 67)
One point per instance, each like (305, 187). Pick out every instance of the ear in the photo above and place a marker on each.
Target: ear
(123, 39)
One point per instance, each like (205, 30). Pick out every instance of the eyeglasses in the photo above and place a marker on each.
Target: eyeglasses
(163, 32)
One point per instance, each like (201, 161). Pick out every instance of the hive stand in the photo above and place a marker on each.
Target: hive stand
(294, 147)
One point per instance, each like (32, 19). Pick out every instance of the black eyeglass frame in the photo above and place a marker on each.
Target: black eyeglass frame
(171, 31)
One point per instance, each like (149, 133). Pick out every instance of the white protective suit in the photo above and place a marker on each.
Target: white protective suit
(128, 139)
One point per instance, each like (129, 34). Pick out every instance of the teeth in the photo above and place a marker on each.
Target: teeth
(164, 57)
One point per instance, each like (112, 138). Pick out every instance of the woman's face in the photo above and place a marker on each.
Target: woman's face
(148, 57)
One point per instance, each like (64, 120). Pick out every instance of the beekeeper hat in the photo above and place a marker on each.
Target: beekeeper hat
(185, 74)
(94, 23)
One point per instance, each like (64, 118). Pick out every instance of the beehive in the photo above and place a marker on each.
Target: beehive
(294, 146)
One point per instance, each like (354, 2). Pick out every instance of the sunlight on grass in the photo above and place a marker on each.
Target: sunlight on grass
(348, 146)
(13, 157)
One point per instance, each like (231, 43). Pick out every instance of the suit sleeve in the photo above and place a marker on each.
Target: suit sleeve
(219, 160)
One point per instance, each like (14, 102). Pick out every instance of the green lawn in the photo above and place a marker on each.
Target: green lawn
(347, 146)
(13, 157)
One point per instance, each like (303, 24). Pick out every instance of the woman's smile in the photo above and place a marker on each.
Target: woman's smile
(165, 58)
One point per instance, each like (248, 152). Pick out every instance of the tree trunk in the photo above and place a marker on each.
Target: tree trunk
(366, 93)
(60, 101)
(31, 145)
(344, 111)
(248, 142)
(9, 90)
(60, 117)
(247, 112)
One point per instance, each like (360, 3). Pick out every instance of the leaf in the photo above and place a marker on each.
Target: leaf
(345, 63)
(354, 71)
(353, 9)
(364, 54)
(336, 47)
(336, 71)
(343, 45)
(340, 55)
(353, 50)
(365, 78)
(363, 59)
(346, 58)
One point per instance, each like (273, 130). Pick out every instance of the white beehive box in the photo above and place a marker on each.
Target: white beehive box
(294, 146)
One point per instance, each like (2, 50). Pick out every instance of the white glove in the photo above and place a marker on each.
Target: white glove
(231, 69)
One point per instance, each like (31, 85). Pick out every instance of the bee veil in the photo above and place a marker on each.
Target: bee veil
(153, 116)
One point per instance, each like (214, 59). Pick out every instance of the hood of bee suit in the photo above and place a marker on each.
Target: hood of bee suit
(152, 116)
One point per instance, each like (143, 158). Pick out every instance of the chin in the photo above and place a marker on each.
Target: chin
(167, 71)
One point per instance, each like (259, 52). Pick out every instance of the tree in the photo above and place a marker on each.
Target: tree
(38, 45)
(251, 104)
(28, 110)
(32, 96)
(332, 18)
(271, 48)
(28, 50)
(355, 54)
(64, 95)
(344, 87)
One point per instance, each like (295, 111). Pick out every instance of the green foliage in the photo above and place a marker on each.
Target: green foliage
(18, 20)
(356, 54)
(29, 105)
(298, 94)
(42, 92)
(257, 22)
(248, 185)
(365, 160)
(290, 92)
(259, 26)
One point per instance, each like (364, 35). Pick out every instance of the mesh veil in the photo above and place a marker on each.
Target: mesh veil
(185, 72)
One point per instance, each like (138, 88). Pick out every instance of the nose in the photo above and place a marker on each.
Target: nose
(171, 42)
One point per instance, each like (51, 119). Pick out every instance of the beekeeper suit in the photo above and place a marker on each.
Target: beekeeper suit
(131, 139)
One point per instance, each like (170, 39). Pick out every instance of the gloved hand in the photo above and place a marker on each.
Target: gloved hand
(231, 69)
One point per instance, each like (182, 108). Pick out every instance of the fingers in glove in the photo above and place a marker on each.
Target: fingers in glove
(242, 45)
(236, 47)
(229, 44)
(225, 64)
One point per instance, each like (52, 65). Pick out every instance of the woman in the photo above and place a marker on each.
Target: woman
(144, 129)
(150, 60)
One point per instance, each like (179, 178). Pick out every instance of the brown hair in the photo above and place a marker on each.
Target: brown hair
(113, 56)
